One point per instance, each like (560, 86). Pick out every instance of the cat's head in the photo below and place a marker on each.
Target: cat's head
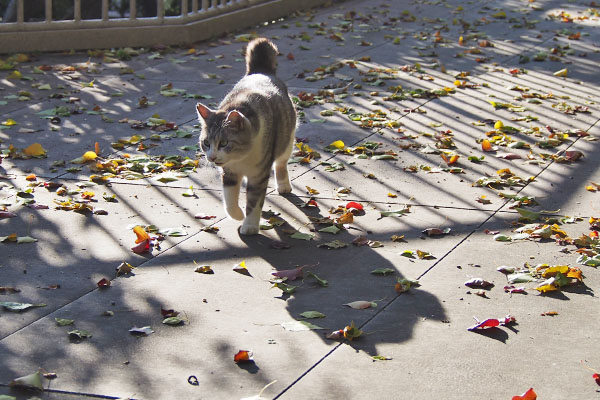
(222, 138)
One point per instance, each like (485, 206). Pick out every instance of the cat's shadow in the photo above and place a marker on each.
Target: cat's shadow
(347, 273)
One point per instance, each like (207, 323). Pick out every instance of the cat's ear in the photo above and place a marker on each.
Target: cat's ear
(236, 119)
(203, 111)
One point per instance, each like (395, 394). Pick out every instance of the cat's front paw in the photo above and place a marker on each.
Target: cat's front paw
(283, 188)
(235, 213)
(249, 230)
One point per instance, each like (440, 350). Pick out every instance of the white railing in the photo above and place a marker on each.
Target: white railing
(198, 20)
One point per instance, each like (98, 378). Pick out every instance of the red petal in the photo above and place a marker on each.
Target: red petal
(353, 204)
(242, 356)
(488, 323)
(528, 395)
(142, 247)
(103, 283)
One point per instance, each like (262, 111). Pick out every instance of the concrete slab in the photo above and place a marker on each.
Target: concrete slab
(435, 321)
(75, 250)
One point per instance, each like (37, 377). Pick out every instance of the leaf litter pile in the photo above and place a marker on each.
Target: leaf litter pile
(532, 141)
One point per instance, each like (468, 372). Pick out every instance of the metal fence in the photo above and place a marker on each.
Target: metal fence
(49, 25)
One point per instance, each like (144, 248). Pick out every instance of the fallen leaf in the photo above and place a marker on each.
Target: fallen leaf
(528, 395)
(35, 150)
(173, 321)
(320, 281)
(124, 268)
(79, 334)
(32, 381)
(403, 285)
(336, 244)
(204, 269)
(298, 326)
(312, 314)
(143, 331)
(436, 231)
(289, 274)
(383, 271)
(64, 321)
(18, 307)
(478, 283)
(243, 356)
(302, 236)
(492, 323)
(103, 283)
(242, 269)
(361, 304)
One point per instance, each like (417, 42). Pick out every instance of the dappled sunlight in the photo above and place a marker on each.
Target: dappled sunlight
(403, 97)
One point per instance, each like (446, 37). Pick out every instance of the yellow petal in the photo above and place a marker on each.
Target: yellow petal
(89, 156)
(338, 144)
(141, 234)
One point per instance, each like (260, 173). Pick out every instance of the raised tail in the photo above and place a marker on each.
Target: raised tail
(261, 57)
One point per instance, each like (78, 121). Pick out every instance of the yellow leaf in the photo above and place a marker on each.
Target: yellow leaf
(35, 150)
(546, 288)
(15, 75)
(498, 125)
(561, 73)
(9, 122)
(392, 195)
(346, 218)
(552, 271)
(310, 190)
(338, 144)
(575, 273)
(89, 156)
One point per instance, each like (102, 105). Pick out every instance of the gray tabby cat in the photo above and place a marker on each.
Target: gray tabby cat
(252, 130)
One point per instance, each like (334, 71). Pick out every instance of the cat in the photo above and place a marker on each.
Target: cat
(252, 130)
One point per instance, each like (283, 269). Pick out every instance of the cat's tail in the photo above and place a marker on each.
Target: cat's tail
(261, 57)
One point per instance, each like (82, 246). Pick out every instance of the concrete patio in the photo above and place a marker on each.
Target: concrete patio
(414, 90)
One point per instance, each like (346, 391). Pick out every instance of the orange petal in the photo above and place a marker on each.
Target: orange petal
(486, 145)
(141, 234)
(31, 177)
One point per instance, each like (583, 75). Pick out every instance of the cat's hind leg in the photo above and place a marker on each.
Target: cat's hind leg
(231, 194)
(255, 199)
(281, 174)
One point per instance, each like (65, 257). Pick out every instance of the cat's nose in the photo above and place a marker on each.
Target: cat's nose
(211, 157)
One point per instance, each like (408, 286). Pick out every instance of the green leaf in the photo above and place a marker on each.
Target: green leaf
(79, 334)
(32, 381)
(561, 280)
(321, 282)
(383, 271)
(520, 277)
(381, 358)
(528, 215)
(395, 213)
(297, 326)
(589, 261)
(172, 321)
(312, 314)
(408, 253)
(18, 307)
(302, 236)
(502, 238)
(336, 244)
(173, 232)
(330, 229)
(64, 321)
(285, 288)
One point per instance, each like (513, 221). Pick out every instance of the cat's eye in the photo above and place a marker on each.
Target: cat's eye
(206, 143)
(223, 143)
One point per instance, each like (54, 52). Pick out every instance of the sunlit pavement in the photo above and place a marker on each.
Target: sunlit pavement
(450, 143)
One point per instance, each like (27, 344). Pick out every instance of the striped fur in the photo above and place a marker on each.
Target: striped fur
(251, 132)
